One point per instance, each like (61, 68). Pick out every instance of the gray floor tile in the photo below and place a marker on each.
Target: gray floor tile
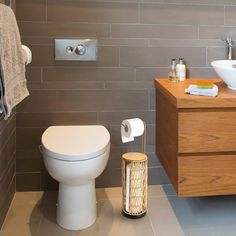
(111, 222)
(208, 215)
(161, 190)
(34, 214)
(163, 217)
(48, 225)
(108, 193)
(24, 215)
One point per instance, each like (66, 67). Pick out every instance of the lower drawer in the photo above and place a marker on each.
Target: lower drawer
(206, 175)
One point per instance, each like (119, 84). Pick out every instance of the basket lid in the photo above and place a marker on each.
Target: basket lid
(134, 156)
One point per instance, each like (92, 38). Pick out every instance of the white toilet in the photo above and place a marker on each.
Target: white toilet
(75, 156)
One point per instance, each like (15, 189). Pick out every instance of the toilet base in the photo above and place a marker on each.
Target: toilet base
(76, 208)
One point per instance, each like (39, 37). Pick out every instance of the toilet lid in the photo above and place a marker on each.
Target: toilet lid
(75, 143)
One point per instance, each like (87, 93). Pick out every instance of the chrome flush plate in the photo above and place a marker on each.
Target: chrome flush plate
(75, 49)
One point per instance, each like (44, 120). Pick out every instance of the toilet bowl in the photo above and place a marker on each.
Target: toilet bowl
(75, 156)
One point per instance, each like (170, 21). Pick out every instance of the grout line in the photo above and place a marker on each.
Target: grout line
(41, 74)
(198, 32)
(110, 31)
(10, 207)
(46, 10)
(224, 15)
(150, 221)
(119, 57)
(135, 75)
(139, 12)
(41, 213)
(149, 99)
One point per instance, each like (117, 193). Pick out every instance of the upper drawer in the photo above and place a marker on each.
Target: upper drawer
(211, 131)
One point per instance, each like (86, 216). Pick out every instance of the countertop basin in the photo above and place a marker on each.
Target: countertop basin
(226, 69)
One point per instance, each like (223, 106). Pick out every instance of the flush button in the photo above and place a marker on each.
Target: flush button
(80, 49)
(75, 49)
(69, 49)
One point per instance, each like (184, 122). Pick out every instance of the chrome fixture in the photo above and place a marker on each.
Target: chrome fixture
(229, 48)
(75, 49)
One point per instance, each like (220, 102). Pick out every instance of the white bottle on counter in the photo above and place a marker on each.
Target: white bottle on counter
(181, 70)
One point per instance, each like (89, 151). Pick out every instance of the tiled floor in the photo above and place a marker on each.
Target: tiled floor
(33, 214)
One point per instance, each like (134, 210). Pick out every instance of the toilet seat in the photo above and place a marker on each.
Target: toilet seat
(75, 143)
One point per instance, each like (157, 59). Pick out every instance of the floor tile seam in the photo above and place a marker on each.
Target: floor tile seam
(152, 227)
(8, 212)
(41, 218)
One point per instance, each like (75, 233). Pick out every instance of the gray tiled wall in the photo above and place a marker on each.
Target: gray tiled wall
(7, 163)
(137, 39)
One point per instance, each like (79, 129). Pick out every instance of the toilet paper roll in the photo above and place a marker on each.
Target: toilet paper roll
(27, 54)
(131, 128)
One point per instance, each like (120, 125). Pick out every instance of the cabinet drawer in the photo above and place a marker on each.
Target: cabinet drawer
(206, 175)
(213, 131)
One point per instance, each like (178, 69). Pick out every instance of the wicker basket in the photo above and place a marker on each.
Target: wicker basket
(134, 182)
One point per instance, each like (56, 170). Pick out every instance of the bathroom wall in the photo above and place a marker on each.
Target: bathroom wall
(7, 163)
(137, 39)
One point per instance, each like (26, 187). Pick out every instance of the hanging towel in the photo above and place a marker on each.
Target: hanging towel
(12, 64)
(195, 90)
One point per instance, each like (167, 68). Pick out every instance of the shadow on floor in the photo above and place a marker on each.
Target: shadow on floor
(48, 226)
(205, 216)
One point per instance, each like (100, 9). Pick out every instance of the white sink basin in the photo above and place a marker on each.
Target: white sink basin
(226, 69)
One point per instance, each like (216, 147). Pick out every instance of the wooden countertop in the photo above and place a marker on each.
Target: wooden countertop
(175, 93)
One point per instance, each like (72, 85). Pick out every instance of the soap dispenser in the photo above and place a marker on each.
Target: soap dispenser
(181, 70)
(173, 77)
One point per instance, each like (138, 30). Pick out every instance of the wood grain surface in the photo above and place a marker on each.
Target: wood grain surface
(207, 175)
(167, 137)
(176, 95)
(207, 131)
(196, 139)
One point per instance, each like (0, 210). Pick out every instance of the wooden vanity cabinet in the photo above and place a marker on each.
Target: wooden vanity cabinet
(196, 138)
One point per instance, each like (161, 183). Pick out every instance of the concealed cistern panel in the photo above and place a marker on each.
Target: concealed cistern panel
(75, 49)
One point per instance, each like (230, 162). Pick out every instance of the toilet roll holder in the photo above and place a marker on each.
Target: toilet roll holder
(144, 136)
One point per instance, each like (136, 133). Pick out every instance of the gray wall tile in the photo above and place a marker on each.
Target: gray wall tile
(181, 14)
(153, 31)
(56, 74)
(47, 119)
(230, 18)
(7, 163)
(108, 56)
(98, 100)
(161, 56)
(136, 41)
(69, 10)
(28, 138)
(129, 85)
(217, 32)
(149, 74)
(215, 54)
(38, 101)
(31, 11)
(187, 42)
(61, 85)
(116, 117)
(56, 29)
(33, 74)
(6, 200)
(28, 182)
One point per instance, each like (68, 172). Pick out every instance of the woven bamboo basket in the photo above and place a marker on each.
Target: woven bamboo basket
(134, 184)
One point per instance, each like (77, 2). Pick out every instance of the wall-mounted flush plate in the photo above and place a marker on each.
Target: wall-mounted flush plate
(75, 49)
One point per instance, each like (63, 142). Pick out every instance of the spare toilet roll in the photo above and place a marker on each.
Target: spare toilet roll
(130, 129)
(27, 54)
